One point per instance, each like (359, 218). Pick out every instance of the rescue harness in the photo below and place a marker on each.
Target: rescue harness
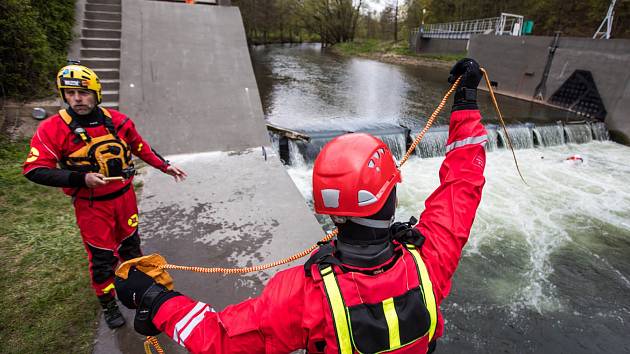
(106, 154)
(394, 323)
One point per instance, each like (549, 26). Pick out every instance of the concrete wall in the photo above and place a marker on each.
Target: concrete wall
(440, 46)
(517, 64)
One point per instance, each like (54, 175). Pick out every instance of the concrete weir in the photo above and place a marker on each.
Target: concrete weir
(187, 81)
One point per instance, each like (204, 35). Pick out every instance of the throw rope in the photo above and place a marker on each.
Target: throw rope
(332, 234)
(496, 107)
(329, 236)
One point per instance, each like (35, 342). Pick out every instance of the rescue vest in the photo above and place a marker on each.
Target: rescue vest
(106, 154)
(402, 323)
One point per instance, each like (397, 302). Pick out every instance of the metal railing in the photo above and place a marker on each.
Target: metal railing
(506, 24)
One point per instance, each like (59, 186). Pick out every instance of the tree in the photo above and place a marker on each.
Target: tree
(334, 20)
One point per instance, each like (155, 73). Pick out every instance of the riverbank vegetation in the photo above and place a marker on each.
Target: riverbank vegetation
(395, 53)
(342, 21)
(34, 36)
(46, 302)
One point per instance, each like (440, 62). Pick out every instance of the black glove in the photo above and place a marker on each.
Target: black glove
(139, 291)
(466, 93)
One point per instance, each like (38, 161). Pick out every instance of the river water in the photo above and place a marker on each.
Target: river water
(547, 266)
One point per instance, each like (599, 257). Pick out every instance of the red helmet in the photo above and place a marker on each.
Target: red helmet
(353, 176)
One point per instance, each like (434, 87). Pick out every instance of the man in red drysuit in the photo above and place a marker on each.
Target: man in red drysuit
(86, 150)
(377, 287)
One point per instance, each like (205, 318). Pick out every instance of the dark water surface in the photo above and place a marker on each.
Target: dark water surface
(547, 266)
(305, 88)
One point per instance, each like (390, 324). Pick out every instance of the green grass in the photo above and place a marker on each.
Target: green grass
(46, 303)
(444, 57)
(368, 46)
(375, 47)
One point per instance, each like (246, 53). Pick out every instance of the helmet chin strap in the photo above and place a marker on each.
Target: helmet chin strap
(377, 224)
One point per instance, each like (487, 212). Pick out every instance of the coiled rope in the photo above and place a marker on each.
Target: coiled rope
(153, 340)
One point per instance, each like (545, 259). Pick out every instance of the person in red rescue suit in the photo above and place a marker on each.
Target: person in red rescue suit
(78, 149)
(377, 287)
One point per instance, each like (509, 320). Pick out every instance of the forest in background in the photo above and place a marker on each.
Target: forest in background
(335, 21)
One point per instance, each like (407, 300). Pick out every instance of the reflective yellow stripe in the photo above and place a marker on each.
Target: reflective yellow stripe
(392, 323)
(338, 310)
(109, 288)
(427, 289)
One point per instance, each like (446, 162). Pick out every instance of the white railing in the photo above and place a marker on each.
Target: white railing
(506, 24)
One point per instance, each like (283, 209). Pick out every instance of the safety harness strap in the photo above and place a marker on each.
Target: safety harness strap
(338, 309)
(108, 123)
(74, 126)
(427, 288)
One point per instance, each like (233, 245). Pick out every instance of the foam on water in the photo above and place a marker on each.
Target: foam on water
(537, 217)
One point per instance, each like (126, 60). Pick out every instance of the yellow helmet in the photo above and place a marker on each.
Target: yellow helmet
(78, 77)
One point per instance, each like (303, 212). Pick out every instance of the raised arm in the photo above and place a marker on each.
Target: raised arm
(450, 211)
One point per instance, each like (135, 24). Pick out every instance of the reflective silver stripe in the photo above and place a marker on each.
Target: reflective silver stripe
(377, 224)
(195, 321)
(483, 139)
(182, 323)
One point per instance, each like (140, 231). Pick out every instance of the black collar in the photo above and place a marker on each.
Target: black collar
(92, 119)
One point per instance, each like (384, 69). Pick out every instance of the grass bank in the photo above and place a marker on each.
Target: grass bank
(394, 52)
(46, 303)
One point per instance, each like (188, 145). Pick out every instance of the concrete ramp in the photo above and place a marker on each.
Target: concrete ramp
(186, 77)
(188, 83)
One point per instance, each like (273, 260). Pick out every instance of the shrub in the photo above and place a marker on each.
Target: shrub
(33, 39)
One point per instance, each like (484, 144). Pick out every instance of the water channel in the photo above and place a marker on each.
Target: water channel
(547, 266)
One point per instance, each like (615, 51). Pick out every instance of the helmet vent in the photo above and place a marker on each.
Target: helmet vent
(331, 198)
(366, 198)
(371, 164)
(376, 155)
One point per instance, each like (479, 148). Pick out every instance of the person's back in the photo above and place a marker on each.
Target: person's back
(377, 287)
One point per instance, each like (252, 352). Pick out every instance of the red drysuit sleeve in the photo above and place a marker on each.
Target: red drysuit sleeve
(271, 323)
(450, 211)
(44, 150)
(141, 147)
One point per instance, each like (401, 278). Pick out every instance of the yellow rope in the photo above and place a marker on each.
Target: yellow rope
(496, 107)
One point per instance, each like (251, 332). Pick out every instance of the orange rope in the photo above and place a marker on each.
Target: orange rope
(152, 341)
(430, 121)
(328, 237)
